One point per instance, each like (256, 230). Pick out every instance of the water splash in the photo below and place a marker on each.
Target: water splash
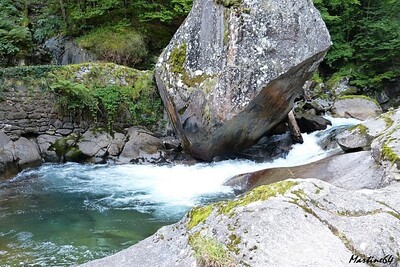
(71, 213)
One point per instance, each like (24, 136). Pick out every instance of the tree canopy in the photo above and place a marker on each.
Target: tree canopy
(365, 33)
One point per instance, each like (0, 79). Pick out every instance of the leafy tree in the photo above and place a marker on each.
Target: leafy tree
(366, 40)
(15, 36)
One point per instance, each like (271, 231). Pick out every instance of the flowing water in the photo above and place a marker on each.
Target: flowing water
(63, 214)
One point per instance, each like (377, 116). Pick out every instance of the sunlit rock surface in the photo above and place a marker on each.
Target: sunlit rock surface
(233, 69)
(295, 222)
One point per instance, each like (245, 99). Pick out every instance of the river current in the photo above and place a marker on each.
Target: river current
(65, 214)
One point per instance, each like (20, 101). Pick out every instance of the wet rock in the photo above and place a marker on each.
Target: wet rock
(44, 143)
(269, 148)
(233, 70)
(142, 147)
(355, 139)
(309, 123)
(358, 107)
(349, 171)
(18, 155)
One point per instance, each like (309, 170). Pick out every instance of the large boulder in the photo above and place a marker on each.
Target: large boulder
(233, 69)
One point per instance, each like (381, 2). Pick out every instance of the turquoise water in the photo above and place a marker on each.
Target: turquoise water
(58, 215)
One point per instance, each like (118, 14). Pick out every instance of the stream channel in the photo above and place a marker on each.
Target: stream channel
(66, 214)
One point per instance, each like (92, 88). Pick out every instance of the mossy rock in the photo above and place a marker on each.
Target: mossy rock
(356, 106)
(262, 193)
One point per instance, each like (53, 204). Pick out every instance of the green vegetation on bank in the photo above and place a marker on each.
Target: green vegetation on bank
(103, 93)
(366, 41)
(365, 34)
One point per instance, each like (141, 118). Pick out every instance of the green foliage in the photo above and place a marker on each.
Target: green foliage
(15, 37)
(366, 40)
(107, 93)
(118, 43)
(210, 252)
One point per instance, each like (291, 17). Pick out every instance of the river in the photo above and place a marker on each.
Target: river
(64, 214)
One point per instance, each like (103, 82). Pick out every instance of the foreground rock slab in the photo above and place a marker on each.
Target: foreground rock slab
(234, 68)
(295, 222)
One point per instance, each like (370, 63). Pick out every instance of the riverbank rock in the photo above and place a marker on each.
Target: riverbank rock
(309, 123)
(17, 155)
(95, 144)
(142, 147)
(302, 222)
(233, 69)
(386, 147)
(358, 107)
(380, 135)
(350, 171)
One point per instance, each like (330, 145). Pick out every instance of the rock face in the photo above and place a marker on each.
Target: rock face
(15, 156)
(359, 107)
(350, 171)
(65, 51)
(295, 222)
(233, 69)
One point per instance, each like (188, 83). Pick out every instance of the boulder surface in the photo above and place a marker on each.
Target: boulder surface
(233, 69)
(294, 222)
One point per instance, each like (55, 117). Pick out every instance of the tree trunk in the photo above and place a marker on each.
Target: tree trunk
(63, 12)
(294, 128)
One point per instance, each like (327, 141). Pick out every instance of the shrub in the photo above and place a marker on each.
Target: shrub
(117, 43)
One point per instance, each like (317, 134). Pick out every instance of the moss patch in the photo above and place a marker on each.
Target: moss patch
(260, 193)
(119, 43)
(360, 128)
(209, 252)
(229, 3)
(389, 154)
(177, 60)
(345, 97)
(199, 215)
(234, 241)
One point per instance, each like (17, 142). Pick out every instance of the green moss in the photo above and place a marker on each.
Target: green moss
(119, 43)
(177, 58)
(389, 154)
(207, 113)
(198, 215)
(74, 154)
(387, 117)
(234, 241)
(360, 97)
(360, 128)
(260, 193)
(210, 252)
(67, 145)
(229, 3)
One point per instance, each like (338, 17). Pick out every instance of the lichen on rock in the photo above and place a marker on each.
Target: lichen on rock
(228, 76)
